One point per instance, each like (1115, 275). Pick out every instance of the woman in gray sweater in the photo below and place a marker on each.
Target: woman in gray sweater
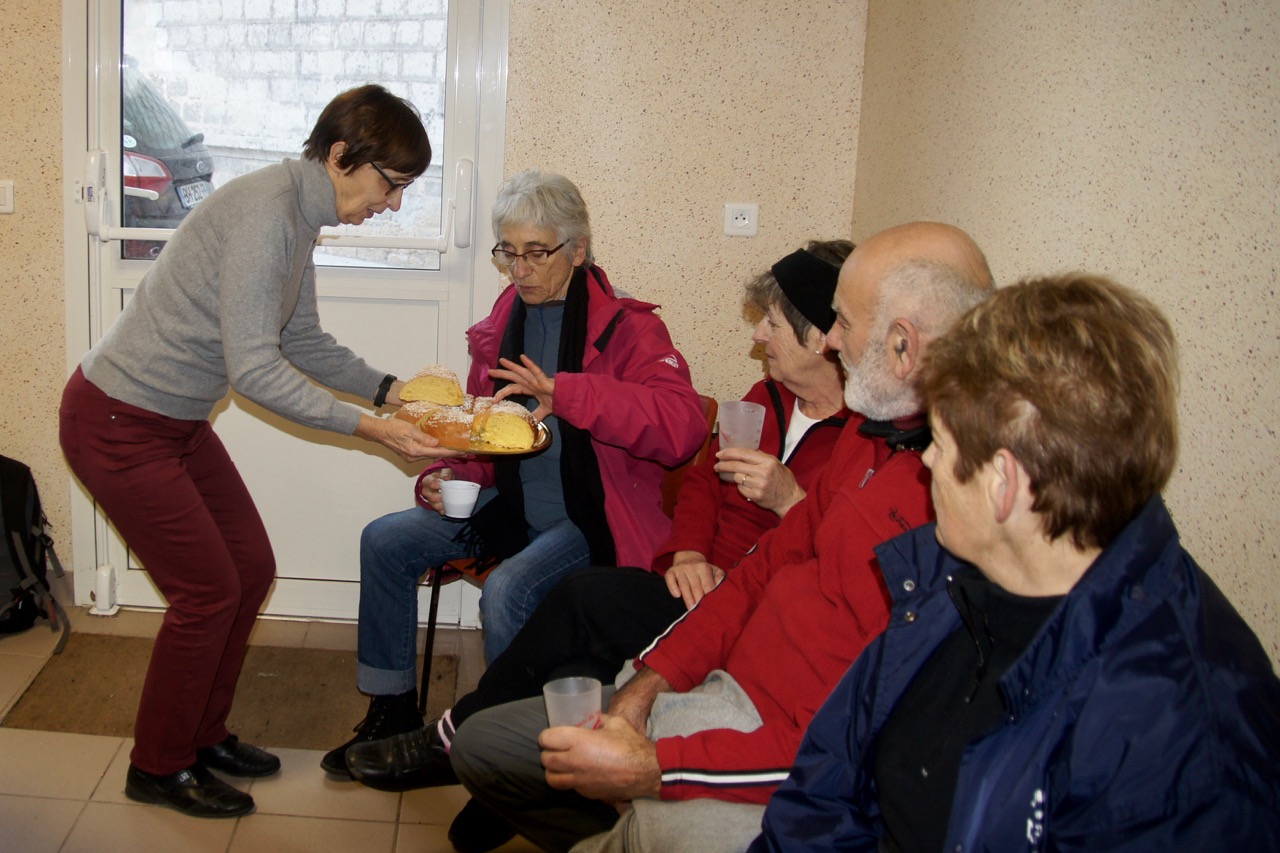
(229, 303)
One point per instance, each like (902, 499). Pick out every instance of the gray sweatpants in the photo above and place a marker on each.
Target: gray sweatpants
(496, 757)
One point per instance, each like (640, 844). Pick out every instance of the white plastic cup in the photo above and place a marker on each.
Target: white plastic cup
(459, 497)
(573, 702)
(741, 424)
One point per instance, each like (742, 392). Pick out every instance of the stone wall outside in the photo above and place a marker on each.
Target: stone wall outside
(254, 75)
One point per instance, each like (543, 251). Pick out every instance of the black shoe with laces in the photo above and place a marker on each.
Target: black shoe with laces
(387, 716)
(476, 829)
(407, 761)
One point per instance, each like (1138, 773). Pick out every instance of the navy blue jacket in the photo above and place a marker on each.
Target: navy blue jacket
(1144, 716)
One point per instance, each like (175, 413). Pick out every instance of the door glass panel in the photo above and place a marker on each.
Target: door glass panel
(210, 92)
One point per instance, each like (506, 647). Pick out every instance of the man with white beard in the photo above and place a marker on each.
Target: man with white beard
(695, 743)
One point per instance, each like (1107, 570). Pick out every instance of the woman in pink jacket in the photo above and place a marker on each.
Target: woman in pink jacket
(600, 371)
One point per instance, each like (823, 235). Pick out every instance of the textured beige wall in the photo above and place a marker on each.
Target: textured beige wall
(32, 336)
(661, 113)
(1138, 140)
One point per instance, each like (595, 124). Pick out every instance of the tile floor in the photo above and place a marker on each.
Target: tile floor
(65, 792)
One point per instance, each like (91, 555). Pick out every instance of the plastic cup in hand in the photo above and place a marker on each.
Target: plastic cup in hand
(740, 426)
(459, 497)
(573, 702)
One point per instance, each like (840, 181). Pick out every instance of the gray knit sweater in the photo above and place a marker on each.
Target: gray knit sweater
(231, 301)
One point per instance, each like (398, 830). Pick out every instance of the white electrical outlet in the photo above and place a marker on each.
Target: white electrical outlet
(6, 196)
(741, 218)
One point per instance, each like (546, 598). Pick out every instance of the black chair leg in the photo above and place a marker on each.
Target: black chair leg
(430, 640)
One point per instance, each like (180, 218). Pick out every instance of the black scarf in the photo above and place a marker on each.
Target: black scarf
(499, 530)
(911, 433)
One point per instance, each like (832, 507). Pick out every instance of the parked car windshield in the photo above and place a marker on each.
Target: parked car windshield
(166, 170)
(149, 119)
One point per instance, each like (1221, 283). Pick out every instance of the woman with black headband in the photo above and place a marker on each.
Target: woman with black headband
(596, 619)
(803, 396)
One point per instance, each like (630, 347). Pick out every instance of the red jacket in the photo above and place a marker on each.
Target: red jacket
(633, 396)
(790, 619)
(711, 515)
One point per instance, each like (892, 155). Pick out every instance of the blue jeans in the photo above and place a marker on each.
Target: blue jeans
(394, 552)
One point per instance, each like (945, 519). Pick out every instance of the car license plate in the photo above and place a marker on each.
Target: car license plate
(193, 193)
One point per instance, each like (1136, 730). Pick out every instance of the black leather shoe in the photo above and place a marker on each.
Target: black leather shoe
(476, 829)
(238, 759)
(387, 716)
(402, 763)
(194, 791)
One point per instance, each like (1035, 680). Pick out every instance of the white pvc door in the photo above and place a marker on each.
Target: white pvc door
(174, 105)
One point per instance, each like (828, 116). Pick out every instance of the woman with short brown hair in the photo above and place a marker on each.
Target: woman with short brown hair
(229, 303)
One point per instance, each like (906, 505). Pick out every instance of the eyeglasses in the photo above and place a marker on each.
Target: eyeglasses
(533, 257)
(392, 186)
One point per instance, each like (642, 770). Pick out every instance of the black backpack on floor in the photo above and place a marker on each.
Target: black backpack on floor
(25, 555)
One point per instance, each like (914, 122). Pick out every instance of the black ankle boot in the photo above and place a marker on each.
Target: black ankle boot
(387, 716)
